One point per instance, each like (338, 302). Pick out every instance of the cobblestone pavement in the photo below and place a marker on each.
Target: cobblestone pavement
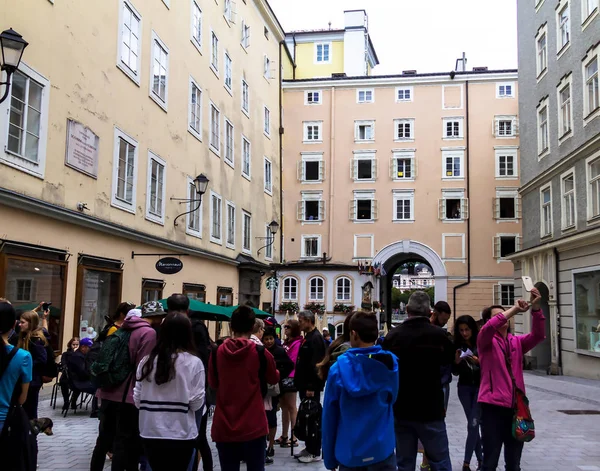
(563, 443)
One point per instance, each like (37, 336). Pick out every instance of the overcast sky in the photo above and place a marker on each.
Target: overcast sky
(426, 35)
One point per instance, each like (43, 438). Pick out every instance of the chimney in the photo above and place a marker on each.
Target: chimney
(355, 19)
(355, 43)
(461, 64)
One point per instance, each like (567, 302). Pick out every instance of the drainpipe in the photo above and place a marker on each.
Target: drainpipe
(281, 237)
(556, 287)
(332, 167)
(468, 177)
(294, 61)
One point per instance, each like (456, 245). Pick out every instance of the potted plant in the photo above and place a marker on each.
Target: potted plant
(289, 306)
(316, 308)
(345, 308)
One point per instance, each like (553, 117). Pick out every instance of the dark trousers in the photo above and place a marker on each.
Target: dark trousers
(388, 464)
(31, 403)
(106, 433)
(496, 430)
(252, 452)
(168, 455)
(468, 399)
(128, 444)
(312, 446)
(434, 437)
(202, 445)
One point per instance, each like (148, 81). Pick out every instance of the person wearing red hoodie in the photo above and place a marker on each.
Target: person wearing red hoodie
(499, 350)
(240, 423)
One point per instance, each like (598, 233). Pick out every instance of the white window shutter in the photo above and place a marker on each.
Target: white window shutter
(393, 167)
(353, 169)
(464, 208)
(413, 163)
(495, 128)
(518, 207)
(321, 170)
(248, 34)
(243, 30)
(233, 12)
(374, 169)
(496, 247)
(300, 170)
(496, 207)
(497, 294)
(352, 210)
(321, 210)
(517, 243)
(300, 211)
(516, 126)
(441, 209)
(374, 209)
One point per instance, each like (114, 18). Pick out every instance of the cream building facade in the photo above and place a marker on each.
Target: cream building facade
(380, 170)
(116, 108)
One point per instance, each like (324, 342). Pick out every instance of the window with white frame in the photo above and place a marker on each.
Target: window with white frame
(245, 35)
(504, 294)
(27, 121)
(364, 131)
(589, 7)
(452, 162)
(506, 244)
(290, 289)
(215, 128)
(313, 131)
(546, 211)
(24, 289)
(268, 176)
(364, 167)
(268, 73)
(343, 289)
(229, 12)
(404, 129)
(246, 157)
(316, 289)
(195, 123)
(229, 142)
(565, 114)
(364, 206)
(567, 189)
(266, 33)
(591, 100)
(586, 307)
(246, 232)
(563, 23)
(453, 128)
(403, 165)
(214, 51)
(365, 95)
(507, 205)
(506, 126)
(543, 129)
(230, 225)
(125, 171)
(267, 121)
(215, 217)
(159, 76)
(194, 208)
(505, 90)
(245, 97)
(311, 168)
(312, 207)
(404, 205)
(228, 72)
(196, 24)
(453, 206)
(269, 240)
(323, 53)
(593, 184)
(155, 204)
(130, 42)
(404, 94)
(541, 41)
(506, 163)
(311, 246)
(313, 97)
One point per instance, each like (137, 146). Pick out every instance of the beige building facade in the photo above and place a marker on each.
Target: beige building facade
(115, 110)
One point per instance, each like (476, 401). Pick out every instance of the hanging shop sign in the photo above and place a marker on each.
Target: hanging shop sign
(169, 265)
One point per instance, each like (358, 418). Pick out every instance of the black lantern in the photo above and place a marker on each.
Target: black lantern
(201, 184)
(274, 227)
(12, 45)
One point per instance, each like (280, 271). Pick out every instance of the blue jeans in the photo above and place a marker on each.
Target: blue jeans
(434, 438)
(388, 464)
(468, 399)
(252, 452)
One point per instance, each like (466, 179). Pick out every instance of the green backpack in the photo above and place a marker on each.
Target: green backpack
(113, 365)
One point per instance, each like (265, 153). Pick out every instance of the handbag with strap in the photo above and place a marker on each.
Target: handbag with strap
(523, 427)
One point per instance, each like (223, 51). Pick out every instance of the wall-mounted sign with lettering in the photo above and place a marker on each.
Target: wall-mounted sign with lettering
(169, 265)
(82, 148)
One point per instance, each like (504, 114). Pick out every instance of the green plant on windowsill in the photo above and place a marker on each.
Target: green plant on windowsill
(345, 308)
(316, 308)
(293, 308)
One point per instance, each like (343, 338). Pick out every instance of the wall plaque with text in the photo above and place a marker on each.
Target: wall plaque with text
(82, 148)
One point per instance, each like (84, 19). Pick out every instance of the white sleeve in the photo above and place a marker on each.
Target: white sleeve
(137, 390)
(197, 386)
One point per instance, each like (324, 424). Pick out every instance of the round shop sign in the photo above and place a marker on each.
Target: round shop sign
(169, 265)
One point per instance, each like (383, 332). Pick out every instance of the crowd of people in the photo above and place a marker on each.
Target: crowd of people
(154, 374)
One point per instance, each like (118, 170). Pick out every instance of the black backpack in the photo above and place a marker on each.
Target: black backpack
(308, 421)
(262, 369)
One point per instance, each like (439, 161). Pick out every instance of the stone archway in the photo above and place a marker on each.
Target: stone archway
(393, 255)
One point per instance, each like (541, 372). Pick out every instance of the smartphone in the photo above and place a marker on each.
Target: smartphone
(527, 283)
(45, 306)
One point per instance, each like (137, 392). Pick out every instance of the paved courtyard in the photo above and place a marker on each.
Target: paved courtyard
(564, 442)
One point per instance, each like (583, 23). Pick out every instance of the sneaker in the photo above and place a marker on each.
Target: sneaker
(270, 452)
(269, 460)
(301, 454)
(425, 467)
(309, 459)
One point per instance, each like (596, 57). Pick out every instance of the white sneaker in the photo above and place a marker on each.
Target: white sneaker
(309, 459)
(301, 453)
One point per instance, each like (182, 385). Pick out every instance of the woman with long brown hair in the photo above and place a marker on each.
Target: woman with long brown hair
(33, 339)
(337, 348)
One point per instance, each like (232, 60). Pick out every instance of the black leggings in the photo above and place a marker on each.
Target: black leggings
(168, 455)
(202, 446)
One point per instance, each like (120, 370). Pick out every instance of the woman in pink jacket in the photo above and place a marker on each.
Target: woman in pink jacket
(499, 350)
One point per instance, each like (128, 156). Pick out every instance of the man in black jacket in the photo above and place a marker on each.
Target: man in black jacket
(78, 368)
(422, 350)
(306, 377)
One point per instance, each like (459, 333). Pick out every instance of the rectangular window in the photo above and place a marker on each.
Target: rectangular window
(564, 27)
(592, 92)
(267, 69)
(593, 172)
(453, 128)
(546, 211)
(246, 232)
(130, 42)
(312, 207)
(507, 205)
(156, 188)
(269, 240)
(589, 7)
(245, 97)
(404, 129)
(230, 225)
(364, 130)
(506, 244)
(195, 291)
(125, 170)
(311, 246)
(215, 129)
(506, 163)
(194, 206)
(403, 166)
(505, 294)
(228, 72)
(214, 51)
(505, 90)
(543, 137)
(245, 35)
(195, 124)
(311, 168)
(246, 157)
(568, 201)
(542, 52)
(290, 289)
(364, 206)
(267, 122)
(312, 131)
(160, 71)
(586, 307)
(196, 24)
(268, 176)
(215, 218)
(229, 14)
(404, 94)
(565, 116)
(453, 164)
(312, 98)
(453, 206)
(505, 126)
(365, 96)
(229, 142)
(404, 202)
(322, 52)
(364, 167)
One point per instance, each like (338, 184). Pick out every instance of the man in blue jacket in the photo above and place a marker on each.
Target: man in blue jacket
(361, 389)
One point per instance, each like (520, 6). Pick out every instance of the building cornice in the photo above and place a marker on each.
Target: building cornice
(580, 239)
(43, 208)
(266, 10)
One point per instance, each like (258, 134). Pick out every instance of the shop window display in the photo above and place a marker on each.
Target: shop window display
(586, 307)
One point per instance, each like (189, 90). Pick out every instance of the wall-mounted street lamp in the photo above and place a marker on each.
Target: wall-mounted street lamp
(273, 228)
(201, 184)
(12, 45)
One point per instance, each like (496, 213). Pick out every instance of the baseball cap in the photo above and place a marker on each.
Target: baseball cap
(152, 309)
(86, 342)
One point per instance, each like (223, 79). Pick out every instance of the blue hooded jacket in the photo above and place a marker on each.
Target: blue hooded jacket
(358, 414)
